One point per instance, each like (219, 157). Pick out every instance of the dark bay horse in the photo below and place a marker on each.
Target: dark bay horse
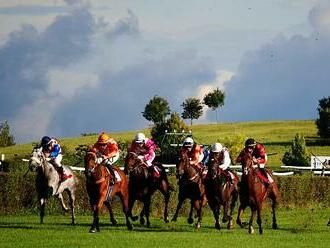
(142, 185)
(220, 191)
(101, 192)
(191, 187)
(48, 183)
(253, 193)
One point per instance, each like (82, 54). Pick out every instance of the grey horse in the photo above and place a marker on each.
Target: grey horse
(48, 183)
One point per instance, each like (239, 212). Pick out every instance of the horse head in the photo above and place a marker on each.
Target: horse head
(37, 159)
(213, 164)
(184, 168)
(247, 162)
(92, 161)
(131, 162)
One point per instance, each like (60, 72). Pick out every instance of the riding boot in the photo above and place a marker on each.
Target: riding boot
(113, 175)
(264, 172)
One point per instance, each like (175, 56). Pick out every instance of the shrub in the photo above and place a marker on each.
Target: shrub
(323, 122)
(297, 156)
(6, 139)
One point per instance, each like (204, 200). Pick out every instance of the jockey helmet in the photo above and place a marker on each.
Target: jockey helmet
(216, 147)
(103, 139)
(250, 143)
(139, 138)
(188, 142)
(45, 141)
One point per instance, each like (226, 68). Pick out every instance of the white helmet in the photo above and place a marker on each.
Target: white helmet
(188, 141)
(139, 138)
(216, 147)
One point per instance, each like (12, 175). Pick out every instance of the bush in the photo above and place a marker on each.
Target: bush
(6, 139)
(297, 156)
(323, 122)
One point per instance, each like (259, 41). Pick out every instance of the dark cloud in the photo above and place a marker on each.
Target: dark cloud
(32, 10)
(116, 104)
(282, 80)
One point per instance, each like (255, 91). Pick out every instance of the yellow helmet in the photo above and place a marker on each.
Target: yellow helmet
(103, 139)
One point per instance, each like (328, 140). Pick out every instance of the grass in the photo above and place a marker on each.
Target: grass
(275, 135)
(297, 228)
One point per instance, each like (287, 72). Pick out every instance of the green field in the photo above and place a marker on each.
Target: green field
(275, 135)
(297, 228)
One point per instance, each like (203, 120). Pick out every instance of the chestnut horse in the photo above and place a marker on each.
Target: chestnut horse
(253, 193)
(142, 185)
(191, 187)
(220, 191)
(101, 192)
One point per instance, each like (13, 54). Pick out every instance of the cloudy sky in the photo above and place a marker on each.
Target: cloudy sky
(71, 67)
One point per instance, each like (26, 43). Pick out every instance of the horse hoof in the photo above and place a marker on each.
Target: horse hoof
(130, 227)
(142, 221)
(92, 230)
(275, 226)
(166, 220)
(230, 225)
(190, 220)
(217, 226)
(174, 219)
(114, 222)
(135, 218)
(224, 219)
(251, 230)
(148, 224)
(198, 226)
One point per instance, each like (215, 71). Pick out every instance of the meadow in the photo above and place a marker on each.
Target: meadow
(297, 228)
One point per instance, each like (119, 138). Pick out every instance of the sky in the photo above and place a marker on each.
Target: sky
(75, 66)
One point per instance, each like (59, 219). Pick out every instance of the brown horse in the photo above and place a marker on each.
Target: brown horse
(101, 192)
(142, 185)
(253, 193)
(220, 191)
(191, 187)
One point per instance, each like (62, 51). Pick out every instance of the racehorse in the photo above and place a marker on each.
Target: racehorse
(191, 187)
(48, 183)
(101, 192)
(253, 193)
(142, 185)
(220, 191)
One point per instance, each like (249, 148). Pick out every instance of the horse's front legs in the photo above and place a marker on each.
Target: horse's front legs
(253, 213)
(95, 225)
(42, 202)
(241, 209)
(198, 206)
(190, 219)
(64, 207)
(72, 199)
(147, 203)
(178, 207)
(164, 189)
(112, 216)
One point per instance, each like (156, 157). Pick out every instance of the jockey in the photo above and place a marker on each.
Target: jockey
(52, 150)
(109, 151)
(221, 152)
(145, 149)
(259, 156)
(194, 152)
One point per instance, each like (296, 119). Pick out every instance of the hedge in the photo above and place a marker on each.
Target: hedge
(18, 195)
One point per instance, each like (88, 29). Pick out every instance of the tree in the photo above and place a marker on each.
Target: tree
(214, 100)
(323, 122)
(6, 139)
(192, 109)
(156, 110)
(297, 156)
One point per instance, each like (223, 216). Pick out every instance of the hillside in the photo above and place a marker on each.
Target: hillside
(275, 135)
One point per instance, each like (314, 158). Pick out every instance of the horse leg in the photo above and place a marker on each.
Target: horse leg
(328, 222)
(112, 217)
(64, 207)
(259, 219)
(95, 225)
(215, 209)
(253, 213)
(124, 201)
(142, 214)
(234, 197)
(274, 204)
(147, 203)
(164, 189)
(241, 209)
(190, 219)
(42, 202)
(131, 201)
(198, 206)
(178, 207)
(72, 199)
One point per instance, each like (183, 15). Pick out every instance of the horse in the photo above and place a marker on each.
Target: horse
(142, 185)
(101, 192)
(220, 191)
(253, 192)
(191, 187)
(48, 183)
